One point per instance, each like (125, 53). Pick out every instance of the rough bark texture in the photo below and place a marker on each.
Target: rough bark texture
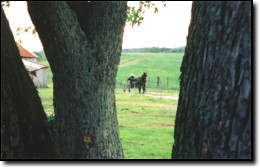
(82, 42)
(24, 132)
(214, 109)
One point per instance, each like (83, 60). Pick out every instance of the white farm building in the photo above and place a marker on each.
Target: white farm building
(40, 78)
(40, 72)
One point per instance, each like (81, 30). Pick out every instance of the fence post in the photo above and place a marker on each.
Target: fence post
(158, 81)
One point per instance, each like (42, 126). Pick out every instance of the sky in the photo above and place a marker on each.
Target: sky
(168, 28)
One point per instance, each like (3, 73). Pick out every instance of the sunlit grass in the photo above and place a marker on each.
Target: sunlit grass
(146, 123)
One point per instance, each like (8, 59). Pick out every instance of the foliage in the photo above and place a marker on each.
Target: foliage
(29, 29)
(41, 55)
(135, 15)
(5, 4)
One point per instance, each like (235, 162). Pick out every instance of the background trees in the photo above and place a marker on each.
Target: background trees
(214, 109)
(156, 50)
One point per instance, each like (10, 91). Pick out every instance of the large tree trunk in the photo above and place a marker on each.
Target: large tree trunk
(24, 131)
(214, 113)
(82, 42)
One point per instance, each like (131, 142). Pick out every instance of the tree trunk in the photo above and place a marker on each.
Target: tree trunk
(24, 131)
(214, 109)
(83, 42)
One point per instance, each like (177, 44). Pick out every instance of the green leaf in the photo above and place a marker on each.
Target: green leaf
(156, 10)
(135, 16)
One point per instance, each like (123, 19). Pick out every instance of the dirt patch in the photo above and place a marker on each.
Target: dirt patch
(161, 95)
(129, 62)
(156, 125)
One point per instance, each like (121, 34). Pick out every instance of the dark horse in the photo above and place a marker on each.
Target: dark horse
(137, 83)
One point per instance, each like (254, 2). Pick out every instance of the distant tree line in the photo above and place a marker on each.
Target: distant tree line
(41, 55)
(156, 50)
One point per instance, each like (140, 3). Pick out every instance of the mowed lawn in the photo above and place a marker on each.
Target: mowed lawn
(146, 123)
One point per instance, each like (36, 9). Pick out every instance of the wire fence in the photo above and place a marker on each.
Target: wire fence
(157, 82)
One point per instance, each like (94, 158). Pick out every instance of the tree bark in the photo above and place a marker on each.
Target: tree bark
(24, 131)
(214, 109)
(83, 42)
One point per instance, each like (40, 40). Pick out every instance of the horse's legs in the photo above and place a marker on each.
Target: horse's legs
(144, 90)
(139, 88)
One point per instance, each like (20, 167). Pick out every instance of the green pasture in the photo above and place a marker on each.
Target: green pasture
(146, 123)
(162, 65)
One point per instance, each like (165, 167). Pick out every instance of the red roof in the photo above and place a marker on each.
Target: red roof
(25, 53)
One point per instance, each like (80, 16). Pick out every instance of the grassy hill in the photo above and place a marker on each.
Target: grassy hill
(164, 65)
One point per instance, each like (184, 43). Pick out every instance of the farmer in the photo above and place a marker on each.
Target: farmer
(131, 79)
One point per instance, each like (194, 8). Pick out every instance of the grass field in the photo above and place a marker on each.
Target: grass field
(164, 65)
(146, 123)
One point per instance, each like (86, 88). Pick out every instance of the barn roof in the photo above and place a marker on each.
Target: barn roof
(25, 53)
(31, 66)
